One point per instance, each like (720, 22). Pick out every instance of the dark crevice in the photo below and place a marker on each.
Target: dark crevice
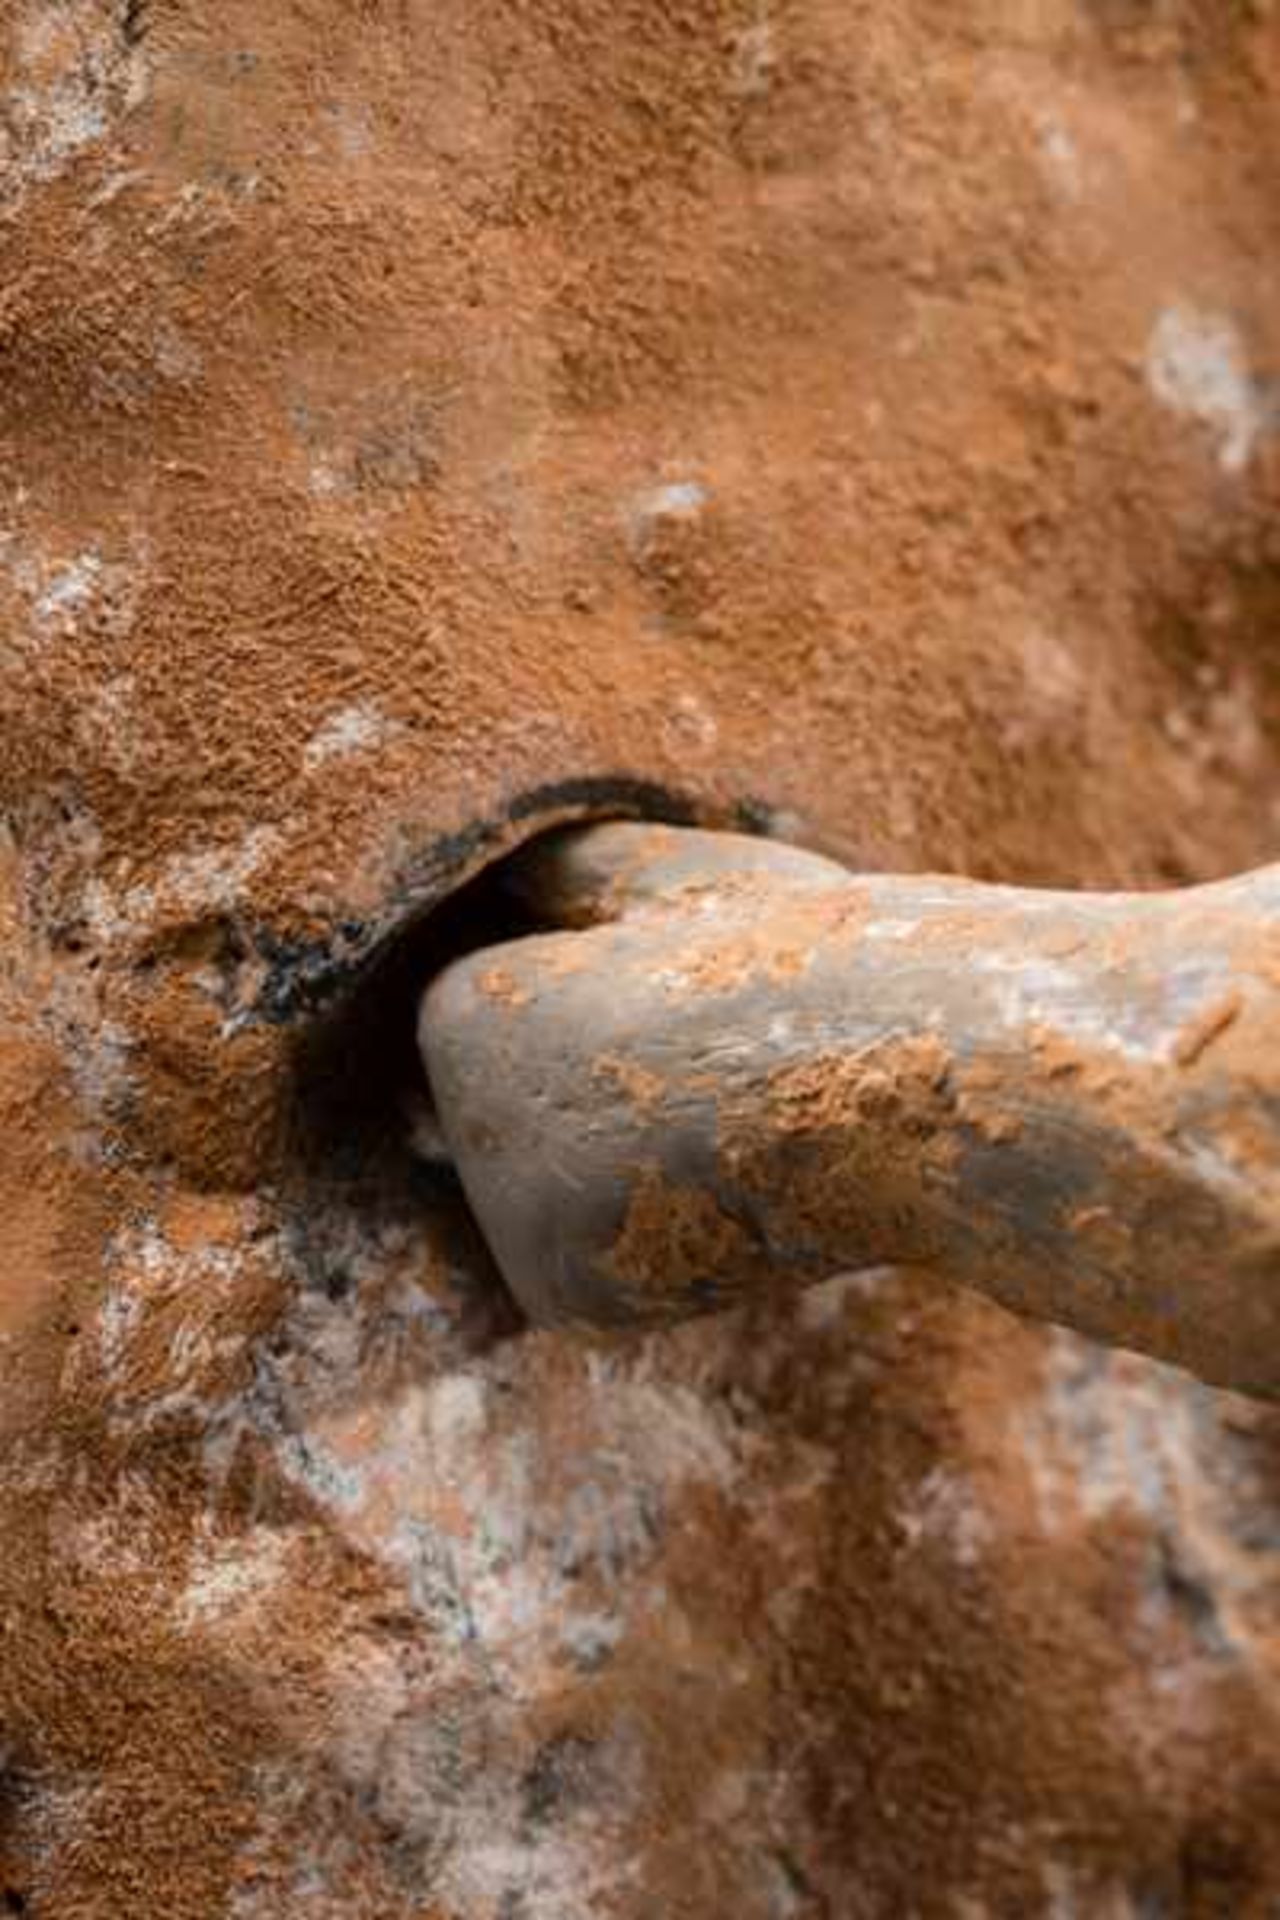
(363, 1147)
(360, 1097)
(304, 976)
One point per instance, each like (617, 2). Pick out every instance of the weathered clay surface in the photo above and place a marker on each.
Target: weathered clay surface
(423, 422)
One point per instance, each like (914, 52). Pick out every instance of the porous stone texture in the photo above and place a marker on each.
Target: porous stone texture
(420, 422)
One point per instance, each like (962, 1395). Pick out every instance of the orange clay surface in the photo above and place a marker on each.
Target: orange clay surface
(420, 422)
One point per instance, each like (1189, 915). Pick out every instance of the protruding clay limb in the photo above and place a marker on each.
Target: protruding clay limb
(744, 1067)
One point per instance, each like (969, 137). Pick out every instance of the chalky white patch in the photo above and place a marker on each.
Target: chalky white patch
(74, 78)
(186, 884)
(675, 500)
(943, 1509)
(230, 1576)
(1196, 366)
(348, 732)
(679, 499)
(71, 587)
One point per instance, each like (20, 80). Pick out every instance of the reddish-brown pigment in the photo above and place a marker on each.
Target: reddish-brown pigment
(856, 411)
